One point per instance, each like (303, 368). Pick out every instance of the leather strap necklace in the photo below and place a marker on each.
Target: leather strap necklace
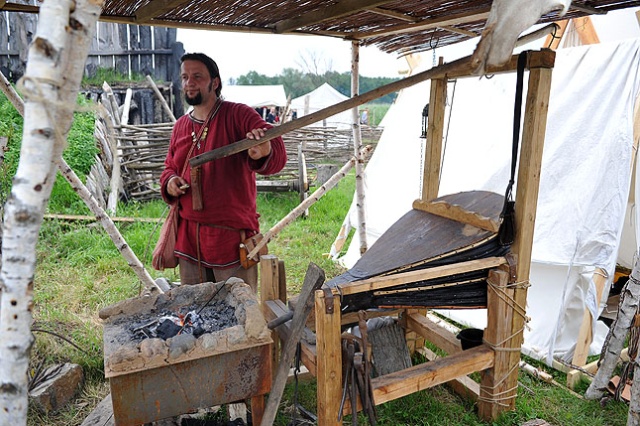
(204, 130)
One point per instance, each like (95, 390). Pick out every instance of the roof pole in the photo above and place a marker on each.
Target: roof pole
(357, 144)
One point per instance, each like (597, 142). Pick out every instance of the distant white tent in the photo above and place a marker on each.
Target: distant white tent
(322, 97)
(256, 96)
(584, 190)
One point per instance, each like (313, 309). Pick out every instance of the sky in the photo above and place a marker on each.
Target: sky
(268, 54)
(238, 53)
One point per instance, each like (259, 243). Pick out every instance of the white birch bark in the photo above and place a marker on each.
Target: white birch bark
(617, 334)
(357, 151)
(47, 82)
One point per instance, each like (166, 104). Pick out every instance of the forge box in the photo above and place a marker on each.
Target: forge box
(152, 378)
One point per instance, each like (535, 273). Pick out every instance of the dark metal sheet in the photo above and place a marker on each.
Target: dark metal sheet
(419, 237)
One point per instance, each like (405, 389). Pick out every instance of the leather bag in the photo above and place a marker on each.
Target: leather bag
(163, 256)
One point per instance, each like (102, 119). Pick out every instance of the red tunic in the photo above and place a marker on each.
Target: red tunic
(228, 185)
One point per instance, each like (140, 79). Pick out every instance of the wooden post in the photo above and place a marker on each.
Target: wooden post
(535, 122)
(493, 387)
(329, 359)
(435, 130)
(269, 290)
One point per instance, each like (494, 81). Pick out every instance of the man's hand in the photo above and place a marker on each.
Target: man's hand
(177, 186)
(259, 151)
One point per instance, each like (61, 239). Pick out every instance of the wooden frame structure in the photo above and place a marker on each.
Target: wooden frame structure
(498, 357)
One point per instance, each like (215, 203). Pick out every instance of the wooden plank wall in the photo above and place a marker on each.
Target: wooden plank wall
(129, 49)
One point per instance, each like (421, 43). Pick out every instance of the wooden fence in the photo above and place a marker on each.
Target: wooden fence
(131, 50)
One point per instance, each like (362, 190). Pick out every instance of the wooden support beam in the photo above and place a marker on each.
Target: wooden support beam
(461, 31)
(338, 10)
(380, 283)
(535, 123)
(423, 376)
(269, 289)
(156, 8)
(426, 24)
(393, 14)
(585, 30)
(553, 40)
(493, 388)
(435, 132)
(432, 332)
(457, 213)
(329, 359)
(463, 386)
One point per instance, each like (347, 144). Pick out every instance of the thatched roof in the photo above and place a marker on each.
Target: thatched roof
(392, 26)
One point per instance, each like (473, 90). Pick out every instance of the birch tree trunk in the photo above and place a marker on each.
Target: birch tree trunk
(51, 78)
(357, 145)
(617, 334)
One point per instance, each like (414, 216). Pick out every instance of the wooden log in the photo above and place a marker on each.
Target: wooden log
(357, 143)
(585, 335)
(313, 280)
(102, 415)
(629, 302)
(269, 288)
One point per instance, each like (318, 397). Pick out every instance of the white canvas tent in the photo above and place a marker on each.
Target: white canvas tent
(256, 96)
(584, 188)
(320, 98)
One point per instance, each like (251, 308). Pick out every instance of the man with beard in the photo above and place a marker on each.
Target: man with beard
(218, 199)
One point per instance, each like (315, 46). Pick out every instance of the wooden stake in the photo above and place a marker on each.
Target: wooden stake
(161, 98)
